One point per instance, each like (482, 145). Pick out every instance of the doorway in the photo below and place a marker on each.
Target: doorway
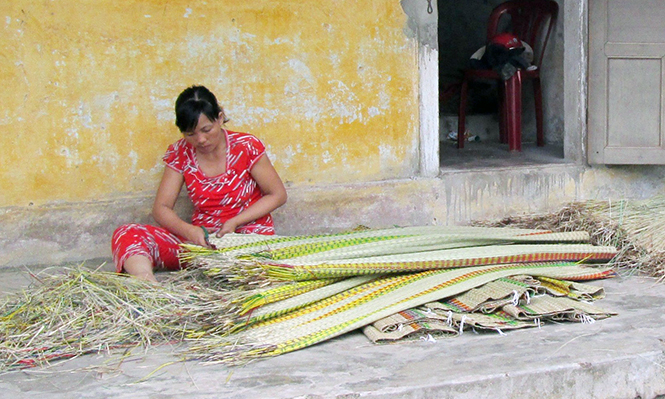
(461, 31)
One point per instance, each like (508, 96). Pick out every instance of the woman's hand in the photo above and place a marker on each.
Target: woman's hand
(162, 210)
(197, 236)
(229, 226)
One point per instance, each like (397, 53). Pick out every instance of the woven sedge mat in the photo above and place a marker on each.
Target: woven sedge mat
(252, 270)
(572, 289)
(503, 304)
(447, 318)
(237, 244)
(497, 321)
(496, 294)
(459, 257)
(363, 305)
(475, 276)
(469, 309)
(250, 243)
(422, 243)
(280, 292)
(490, 296)
(418, 330)
(578, 251)
(397, 246)
(276, 309)
(410, 324)
(556, 308)
(315, 249)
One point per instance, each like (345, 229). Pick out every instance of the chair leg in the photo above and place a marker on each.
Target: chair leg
(514, 114)
(461, 117)
(503, 139)
(538, 97)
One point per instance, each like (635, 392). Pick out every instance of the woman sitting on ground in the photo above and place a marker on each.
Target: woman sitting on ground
(229, 179)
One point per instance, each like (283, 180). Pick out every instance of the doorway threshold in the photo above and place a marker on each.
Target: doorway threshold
(493, 155)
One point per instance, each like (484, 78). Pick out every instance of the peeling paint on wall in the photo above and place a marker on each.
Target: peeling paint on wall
(422, 24)
(331, 88)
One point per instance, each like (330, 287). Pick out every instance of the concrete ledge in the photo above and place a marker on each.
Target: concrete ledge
(56, 234)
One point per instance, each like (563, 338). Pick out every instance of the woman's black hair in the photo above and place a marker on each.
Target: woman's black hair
(193, 102)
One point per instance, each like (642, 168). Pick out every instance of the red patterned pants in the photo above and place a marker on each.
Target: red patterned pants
(156, 243)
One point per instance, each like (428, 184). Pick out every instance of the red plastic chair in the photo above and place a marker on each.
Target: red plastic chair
(532, 21)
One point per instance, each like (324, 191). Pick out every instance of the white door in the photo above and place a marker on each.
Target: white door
(626, 81)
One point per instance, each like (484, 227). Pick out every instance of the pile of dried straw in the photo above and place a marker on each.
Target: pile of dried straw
(635, 227)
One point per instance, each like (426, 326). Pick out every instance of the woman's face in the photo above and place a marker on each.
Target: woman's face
(206, 136)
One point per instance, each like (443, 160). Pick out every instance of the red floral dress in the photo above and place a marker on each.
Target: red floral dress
(216, 199)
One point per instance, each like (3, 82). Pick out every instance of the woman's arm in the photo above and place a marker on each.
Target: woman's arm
(274, 196)
(162, 209)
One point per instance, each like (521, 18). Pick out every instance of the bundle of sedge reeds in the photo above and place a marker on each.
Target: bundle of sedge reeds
(69, 312)
(635, 227)
(75, 311)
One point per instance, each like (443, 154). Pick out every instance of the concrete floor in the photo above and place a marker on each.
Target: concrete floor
(488, 152)
(620, 357)
(491, 154)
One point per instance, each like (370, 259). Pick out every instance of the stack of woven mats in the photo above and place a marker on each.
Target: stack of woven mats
(504, 304)
(399, 283)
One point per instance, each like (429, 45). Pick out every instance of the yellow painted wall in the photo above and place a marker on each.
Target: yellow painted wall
(87, 89)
